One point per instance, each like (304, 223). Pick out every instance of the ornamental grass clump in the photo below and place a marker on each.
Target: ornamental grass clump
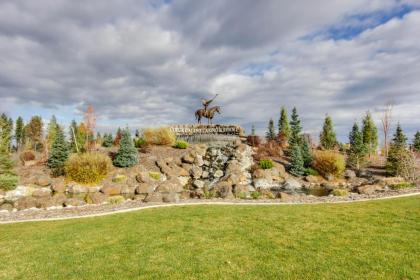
(180, 144)
(266, 163)
(88, 168)
(329, 163)
(159, 136)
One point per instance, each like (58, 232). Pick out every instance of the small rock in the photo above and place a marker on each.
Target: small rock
(74, 202)
(111, 189)
(171, 197)
(349, 174)
(76, 189)
(25, 203)
(199, 184)
(6, 206)
(292, 184)
(199, 161)
(42, 180)
(218, 173)
(188, 158)
(196, 172)
(58, 186)
(143, 188)
(369, 189)
(96, 198)
(154, 197)
(42, 192)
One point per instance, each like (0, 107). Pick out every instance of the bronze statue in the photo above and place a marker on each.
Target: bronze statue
(206, 113)
(206, 102)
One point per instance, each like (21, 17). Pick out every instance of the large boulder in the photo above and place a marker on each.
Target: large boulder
(171, 197)
(6, 207)
(77, 189)
(25, 202)
(74, 202)
(145, 188)
(128, 189)
(199, 184)
(196, 172)
(349, 174)
(58, 186)
(314, 179)
(96, 198)
(369, 189)
(111, 189)
(20, 191)
(188, 158)
(154, 197)
(42, 180)
(42, 192)
(224, 190)
(171, 185)
(292, 184)
(59, 199)
(388, 181)
(170, 168)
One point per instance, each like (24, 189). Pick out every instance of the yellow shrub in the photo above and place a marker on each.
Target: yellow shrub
(329, 163)
(159, 136)
(88, 168)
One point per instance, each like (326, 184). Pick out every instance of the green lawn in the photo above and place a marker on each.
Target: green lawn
(364, 240)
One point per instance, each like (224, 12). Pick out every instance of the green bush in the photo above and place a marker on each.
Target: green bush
(242, 195)
(311, 171)
(401, 186)
(8, 182)
(208, 194)
(139, 142)
(340, 192)
(127, 155)
(180, 144)
(88, 168)
(255, 195)
(119, 178)
(329, 163)
(116, 199)
(266, 164)
(159, 136)
(154, 175)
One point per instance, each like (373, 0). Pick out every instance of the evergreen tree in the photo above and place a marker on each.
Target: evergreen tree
(118, 137)
(19, 132)
(416, 142)
(327, 137)
(59, 153)
(78, 137)
(306, 153)
(52, 131)
(8, 179)
(284, 128)
(253, 130)
(296, 166)
(358, 150)
(396, 152)
(370, 134)
(33, 132)
(108, 140)
(127, 154)
(271, 133)
(295, 128)
(6, 129)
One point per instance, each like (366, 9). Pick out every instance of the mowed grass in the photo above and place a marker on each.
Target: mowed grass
(363, 240)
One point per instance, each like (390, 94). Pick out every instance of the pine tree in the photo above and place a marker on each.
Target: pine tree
(8, 179)
(59, 153)
(370, 134)
(296, 166)
(127, 154)
(306, 153)
(416, 142)
(271, 133)
(327, 137)
(295, 128)
(19, 132)
(33, 131)
(358, 150)
(6, 129)
(284, 128)
(397, 151)
(52, 131)
(108, 140)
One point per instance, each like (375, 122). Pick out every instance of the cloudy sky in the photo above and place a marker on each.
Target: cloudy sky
(147, 63)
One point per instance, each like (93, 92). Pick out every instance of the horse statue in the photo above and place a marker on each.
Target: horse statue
(206, 113)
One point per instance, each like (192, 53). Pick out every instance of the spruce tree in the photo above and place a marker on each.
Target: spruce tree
(59, 153)
(296, 166)
(327, 137)
(127, 155)
(6, 130)
(306, 153)
(358, 150)
(108, 140)
(8, 179)
(295, 128)
(397, 151)
(271, 133)
(284, 128)
(370, 134)
(416, 142)
(19, 132)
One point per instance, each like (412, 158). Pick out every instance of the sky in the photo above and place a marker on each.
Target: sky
(144, 63)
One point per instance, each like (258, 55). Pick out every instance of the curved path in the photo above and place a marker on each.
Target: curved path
(202, 203)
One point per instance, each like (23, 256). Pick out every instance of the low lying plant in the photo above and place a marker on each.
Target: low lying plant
(27, 156)
(8, 182)
(159, 136)
(266, 163)
(340, 192)
(88, 168)
(180, 144)
(401, 186)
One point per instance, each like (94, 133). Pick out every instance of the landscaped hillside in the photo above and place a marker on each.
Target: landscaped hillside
(363, 240)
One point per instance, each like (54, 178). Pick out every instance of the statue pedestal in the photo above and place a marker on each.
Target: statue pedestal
(200, 133)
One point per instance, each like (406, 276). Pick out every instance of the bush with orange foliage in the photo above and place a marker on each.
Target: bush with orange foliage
(253, 140)
(27, 156)
(271, 149)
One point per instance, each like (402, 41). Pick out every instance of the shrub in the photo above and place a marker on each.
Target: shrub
(253, 140)
(269, 149)
(27, 156)
(8, 182)
(88, 168)
(119, 178)
(340, 192)
(208, 194)
(329, 163)
(311, 171)
(266, 164)
(180, 144)
(296, 166)
(401, 186)
(116, 199)
(255, 195)
(159, 136)
(127, 155)
(59, 153)
(140, 142)
(154, 175)
(242, 195)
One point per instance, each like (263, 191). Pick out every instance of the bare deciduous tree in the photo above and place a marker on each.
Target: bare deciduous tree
(386, 125)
